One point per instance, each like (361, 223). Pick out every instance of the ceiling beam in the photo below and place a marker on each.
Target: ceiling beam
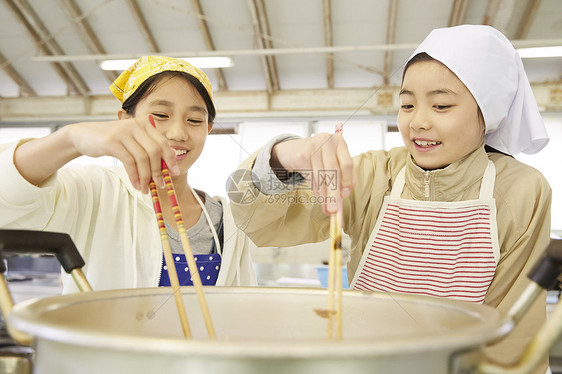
(143, 26)
(527, 20)
(341, 103)
(86, 33)
(268, 42)
(25, 88)
(490, 12)
(328, 41)
(204, 28)
(458, 12)
(46, 43)
(390, 37)
(230, 104)
(499, 14)
(260, 41)
(526, 43)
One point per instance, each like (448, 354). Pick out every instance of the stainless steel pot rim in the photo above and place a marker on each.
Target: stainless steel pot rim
(25, 318)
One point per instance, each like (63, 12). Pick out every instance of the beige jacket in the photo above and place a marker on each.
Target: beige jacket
(523, 200)
(112, 224)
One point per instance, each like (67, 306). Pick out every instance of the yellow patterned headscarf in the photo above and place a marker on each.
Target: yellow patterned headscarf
(145, 67)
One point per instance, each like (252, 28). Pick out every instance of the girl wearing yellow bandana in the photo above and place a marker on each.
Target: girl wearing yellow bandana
(108, 211)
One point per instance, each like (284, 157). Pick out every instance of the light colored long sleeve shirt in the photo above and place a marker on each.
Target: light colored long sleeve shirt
(112, 224)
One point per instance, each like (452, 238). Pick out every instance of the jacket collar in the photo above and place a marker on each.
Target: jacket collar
(449, 183)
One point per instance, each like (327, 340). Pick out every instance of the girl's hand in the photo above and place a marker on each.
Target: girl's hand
(324, 161)
(134, 141)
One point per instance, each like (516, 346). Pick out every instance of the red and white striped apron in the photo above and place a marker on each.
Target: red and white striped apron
(445, 249)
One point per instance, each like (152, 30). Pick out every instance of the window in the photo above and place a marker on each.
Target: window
(547, 161)
(13, 134)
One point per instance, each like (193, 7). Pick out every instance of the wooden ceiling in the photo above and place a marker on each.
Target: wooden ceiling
(291, 56)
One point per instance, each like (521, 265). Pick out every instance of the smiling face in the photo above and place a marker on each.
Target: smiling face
(438, 118)
(180, 114)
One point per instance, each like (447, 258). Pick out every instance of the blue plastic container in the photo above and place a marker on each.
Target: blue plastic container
(323, 276)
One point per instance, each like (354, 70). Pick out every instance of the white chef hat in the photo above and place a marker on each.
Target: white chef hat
(488, 65)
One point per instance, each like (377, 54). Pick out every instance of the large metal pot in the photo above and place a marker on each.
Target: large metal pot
(262, 330)
(259, 330)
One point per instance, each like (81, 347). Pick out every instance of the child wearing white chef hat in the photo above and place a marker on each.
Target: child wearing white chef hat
(452, 213)
(108, 211)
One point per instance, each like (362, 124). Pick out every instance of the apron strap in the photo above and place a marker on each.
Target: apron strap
(488, 181)
(215, 236)
(399, 183)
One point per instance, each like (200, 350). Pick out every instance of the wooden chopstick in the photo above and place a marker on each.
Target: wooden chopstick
(193, 270)
(335, 277)
(172, 272)
(335, 271)
(338, 280)
(331, 279)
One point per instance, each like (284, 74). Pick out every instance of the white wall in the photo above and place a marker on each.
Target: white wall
(12, 134)
(223, 153)
(549, 162)
(220, 157)
(360, 136)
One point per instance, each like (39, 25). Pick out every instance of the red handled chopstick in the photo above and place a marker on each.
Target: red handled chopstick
(193, 270)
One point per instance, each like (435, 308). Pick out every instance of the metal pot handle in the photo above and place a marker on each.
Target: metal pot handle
(59, 244)
(547, 270)
(544, 275)
(40, 242)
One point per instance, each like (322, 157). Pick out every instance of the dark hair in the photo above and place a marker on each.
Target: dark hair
(148, 85)
(420, 57)
(490, 149)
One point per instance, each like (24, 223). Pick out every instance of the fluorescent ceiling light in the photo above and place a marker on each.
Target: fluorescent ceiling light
(200, 62)
(540, 52)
